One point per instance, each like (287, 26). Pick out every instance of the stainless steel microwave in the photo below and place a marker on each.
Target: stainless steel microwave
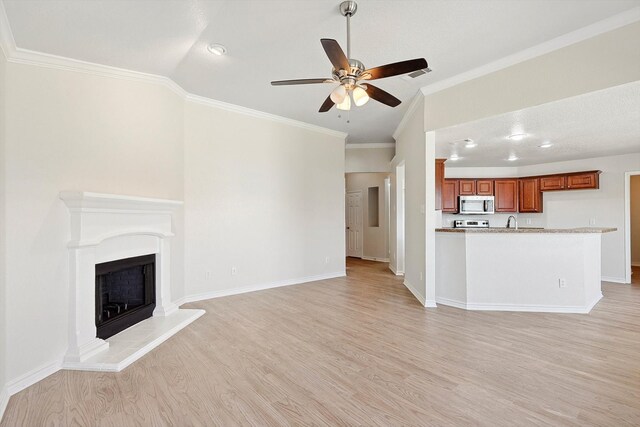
(476, 205)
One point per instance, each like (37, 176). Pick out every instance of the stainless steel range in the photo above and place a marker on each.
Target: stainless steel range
(471, 223)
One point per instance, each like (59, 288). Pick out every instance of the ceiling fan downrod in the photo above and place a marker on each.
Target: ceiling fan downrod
(348, 9)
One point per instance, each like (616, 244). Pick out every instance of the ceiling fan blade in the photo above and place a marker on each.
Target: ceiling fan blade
(381, 96)
(335, 54)
(326, 105)
(395, 69)
(301, 82)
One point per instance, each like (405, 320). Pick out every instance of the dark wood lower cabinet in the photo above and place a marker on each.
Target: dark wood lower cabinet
(529, 195)
(506, 195)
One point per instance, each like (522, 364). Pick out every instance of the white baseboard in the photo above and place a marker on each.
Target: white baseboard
(415, 292)
(180, 301)
(261, 287)
(533, 308)
(395, 271)
(4, 401)
(369, 258)
(431, 303)
(613, 279)
(38, 374)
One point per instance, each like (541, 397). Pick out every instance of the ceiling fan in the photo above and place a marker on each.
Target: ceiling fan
(351, 74)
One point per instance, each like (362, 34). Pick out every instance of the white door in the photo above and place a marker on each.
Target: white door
(354, 223)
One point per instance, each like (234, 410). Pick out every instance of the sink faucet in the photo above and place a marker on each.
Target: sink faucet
(514, 220)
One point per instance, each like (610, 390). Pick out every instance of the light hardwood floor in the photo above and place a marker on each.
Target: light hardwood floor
(362, 351)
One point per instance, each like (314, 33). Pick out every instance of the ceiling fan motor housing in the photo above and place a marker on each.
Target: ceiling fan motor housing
(350, 77)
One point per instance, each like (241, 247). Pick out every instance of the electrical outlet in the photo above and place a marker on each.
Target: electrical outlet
(326, 260)
(208, 275)
(592, 221)
(421, 275)
(528, 221)
(234, 271)
(562, 283)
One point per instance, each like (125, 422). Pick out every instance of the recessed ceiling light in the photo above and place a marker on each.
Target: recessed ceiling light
(512, 158)
(470, 143)
(217, 49)
(454, 157)
(545, 145)
(517, 136)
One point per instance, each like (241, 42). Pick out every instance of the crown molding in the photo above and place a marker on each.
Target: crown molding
(29, 57)
(609, 24)
(415, 102)
(262, 115)
(370, 145)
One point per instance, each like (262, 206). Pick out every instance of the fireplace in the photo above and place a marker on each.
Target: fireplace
(125, 293)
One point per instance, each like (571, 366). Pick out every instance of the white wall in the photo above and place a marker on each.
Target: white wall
(411, 150)
(3, 300)
(635, 220)
(368, 159)
(74, 131)
(260, 196)
(576, 208)
(375, 239)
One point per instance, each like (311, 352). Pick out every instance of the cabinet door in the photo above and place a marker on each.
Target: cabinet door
(552, 183)
(484, 187)
(583, 181)
(529, 195)
(450, 196)
(439, 182)
(506, 195)
(467, 187)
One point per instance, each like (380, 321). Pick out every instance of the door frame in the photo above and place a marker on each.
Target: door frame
(361, 235)
(627, 224)
(400, 217)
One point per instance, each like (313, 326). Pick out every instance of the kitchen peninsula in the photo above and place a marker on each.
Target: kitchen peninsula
(526, 269)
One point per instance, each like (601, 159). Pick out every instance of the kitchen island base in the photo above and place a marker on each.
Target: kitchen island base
(519, 271)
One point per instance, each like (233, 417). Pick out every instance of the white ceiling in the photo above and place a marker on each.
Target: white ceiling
(280, 39)
(602, 123)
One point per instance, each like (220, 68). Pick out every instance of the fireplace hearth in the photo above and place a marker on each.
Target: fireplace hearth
(125, 294)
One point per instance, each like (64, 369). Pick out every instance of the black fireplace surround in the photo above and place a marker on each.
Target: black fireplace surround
(125, 293)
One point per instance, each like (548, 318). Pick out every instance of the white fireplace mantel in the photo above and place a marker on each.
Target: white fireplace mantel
(107, 227)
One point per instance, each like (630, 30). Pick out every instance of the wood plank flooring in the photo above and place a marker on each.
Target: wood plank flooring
(362, 351)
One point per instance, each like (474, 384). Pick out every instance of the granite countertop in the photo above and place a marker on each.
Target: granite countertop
(529, 230)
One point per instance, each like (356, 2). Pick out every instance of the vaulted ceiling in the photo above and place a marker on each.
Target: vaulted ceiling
(280, 39)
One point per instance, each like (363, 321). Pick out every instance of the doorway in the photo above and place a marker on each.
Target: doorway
(632, 227)
(354, 224)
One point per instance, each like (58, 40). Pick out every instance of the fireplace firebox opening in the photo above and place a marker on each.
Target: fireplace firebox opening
(125, 293)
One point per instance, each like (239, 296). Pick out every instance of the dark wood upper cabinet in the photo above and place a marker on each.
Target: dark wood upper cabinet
(553, 183)
(506, 195)
(529, 195)
(450, 196)
(439, 182)
(484, 187)
(467, 187)
(583, 180)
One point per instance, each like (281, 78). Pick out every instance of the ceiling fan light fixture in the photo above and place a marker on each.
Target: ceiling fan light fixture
(345, 105)
(338, 94)
(360, 96)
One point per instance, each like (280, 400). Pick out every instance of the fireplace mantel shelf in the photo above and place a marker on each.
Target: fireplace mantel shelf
(89, 201)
